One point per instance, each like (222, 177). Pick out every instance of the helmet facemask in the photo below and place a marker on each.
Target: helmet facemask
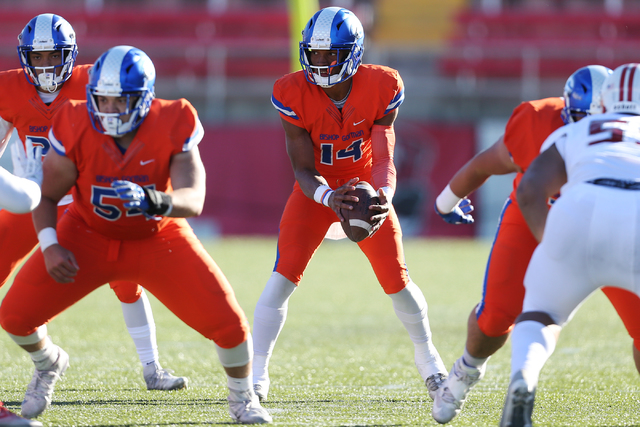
(114, 124)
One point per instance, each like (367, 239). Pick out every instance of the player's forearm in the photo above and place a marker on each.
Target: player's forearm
(46, 214)
(309, 181)
(186, 202)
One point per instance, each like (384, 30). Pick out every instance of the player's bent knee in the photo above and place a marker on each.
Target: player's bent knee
(14, 324)
(496, 325)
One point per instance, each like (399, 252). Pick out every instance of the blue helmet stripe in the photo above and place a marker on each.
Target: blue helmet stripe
(284, 110)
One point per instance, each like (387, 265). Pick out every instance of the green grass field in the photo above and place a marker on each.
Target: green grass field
(343, 359)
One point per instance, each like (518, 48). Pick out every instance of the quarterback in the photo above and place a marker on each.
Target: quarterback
(136, 173)
(338, 117)
(31, 96)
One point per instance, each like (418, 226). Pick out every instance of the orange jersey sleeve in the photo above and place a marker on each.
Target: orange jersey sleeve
(341, 139)
(171, 127)
(21, 105)
(528, 127)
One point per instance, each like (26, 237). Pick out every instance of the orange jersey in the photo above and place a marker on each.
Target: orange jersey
(341, 139)
(528, 127)
(21, 105)
(171, 127)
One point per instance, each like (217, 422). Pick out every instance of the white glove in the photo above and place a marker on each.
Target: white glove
(27, 163)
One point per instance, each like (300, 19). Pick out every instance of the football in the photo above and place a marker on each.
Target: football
(357, 224)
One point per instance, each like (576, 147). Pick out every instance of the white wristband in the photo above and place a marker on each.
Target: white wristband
(322, 195)
(447, 200)
(47, 237)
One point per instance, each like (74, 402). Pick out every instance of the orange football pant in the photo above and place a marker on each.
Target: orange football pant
(172, 265)
(503, 288)
(18, 238)
(303, 226)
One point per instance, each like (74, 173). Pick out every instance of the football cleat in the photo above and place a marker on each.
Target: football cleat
(40, 390)
(261, 389)
(161, 379)
(244, 407)
(518, 406)
(434, 382)
(452, 393)
(9, 419)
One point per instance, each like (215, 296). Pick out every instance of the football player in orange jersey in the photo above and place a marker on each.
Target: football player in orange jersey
(491, 321)
(47, 50)
(338, 119)
(136, 173)
(20, 193)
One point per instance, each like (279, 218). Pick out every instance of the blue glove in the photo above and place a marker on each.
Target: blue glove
(459, 214)
(132, 194)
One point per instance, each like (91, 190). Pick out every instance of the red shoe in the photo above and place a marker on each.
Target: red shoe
(8, 418)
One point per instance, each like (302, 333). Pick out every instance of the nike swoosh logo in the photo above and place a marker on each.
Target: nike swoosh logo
(146, 162)
(356, 124)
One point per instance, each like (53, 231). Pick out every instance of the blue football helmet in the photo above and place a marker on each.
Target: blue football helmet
(582, 93)
(122, 71)
(48, 32)
(332, 28)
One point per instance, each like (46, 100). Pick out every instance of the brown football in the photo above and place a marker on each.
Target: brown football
(357, 224)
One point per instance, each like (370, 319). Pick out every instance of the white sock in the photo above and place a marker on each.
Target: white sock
(139, 320)
(240, 384)
(410, 307)
(46, 356)
(474, 362)
(268, 320)
(532, 343)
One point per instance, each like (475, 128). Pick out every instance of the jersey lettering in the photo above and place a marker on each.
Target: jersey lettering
(613, 131)
(353, 150)
(39, 141)
(108, 211)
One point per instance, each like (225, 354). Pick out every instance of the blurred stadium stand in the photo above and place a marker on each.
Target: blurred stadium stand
(466, 65)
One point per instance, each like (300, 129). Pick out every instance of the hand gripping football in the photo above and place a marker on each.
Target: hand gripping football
(357, 224)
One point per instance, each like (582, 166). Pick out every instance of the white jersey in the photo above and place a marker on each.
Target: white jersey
(599, 146)
(592, 234)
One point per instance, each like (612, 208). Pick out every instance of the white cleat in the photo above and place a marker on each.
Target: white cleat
(434, 382)
(518, 406)
(40, 390)
(9, 419)
(161, 379)
(245, 408)
(450, 397)
(261, 389)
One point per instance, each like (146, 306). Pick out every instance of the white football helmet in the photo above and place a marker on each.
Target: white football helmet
(621, 90)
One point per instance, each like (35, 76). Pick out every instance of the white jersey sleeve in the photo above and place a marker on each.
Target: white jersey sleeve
(556, 137)
(6, 129)
(18, 195)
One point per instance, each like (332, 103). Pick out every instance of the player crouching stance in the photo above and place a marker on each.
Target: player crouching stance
(117, 229)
